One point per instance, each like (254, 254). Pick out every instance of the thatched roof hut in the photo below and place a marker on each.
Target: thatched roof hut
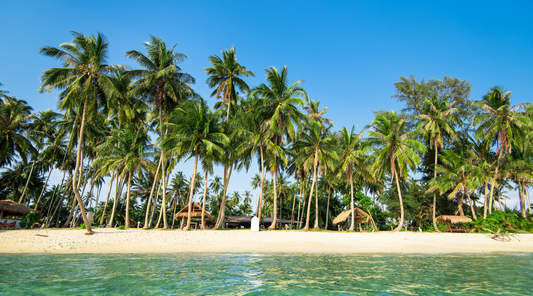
(11, 208)
(453, 219)
(196, 212)
(360, 216)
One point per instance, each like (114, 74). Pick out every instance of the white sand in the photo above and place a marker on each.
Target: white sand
(177, 241)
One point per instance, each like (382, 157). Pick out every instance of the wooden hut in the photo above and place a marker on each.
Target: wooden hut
(447, 220)
(360, 217)
(196, 213)
(11, 208)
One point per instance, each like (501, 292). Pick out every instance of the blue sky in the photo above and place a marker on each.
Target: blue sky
(348, 52)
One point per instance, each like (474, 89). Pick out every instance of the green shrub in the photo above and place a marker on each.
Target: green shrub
(29, 220)
(82, 226)
(121, 227)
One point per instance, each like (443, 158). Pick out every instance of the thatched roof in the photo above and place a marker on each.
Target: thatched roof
(196, 212)
(11, 208)
(360, 216)
(453, 219)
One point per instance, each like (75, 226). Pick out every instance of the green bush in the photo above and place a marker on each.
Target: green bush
(29, 220)
(504, 221)
(82, 226)
(121, 227)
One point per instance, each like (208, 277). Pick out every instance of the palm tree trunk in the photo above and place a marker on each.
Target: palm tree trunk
(485, 206)
(107, 199)
(78, 165)
(522, 200)
(221, 214)
(128, 202)
(293, 205)
(528, 200)
(154, 206)
(204, 199)
(146, 226)
(315, 163)
(300, 204)
(44, 187)
(274, 215)
(263, 173)
(352, 205)
(27, 182)
(327, 208)
(191, 191)
(316, 205)
(401, 202)
(435, 193)
(110, 223)
(97, 198)
(471, 205)
(494, 181)
(460, 204)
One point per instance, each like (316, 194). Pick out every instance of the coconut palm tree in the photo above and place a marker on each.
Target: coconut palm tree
(499, 124)
(195, 131)
(3, 94)
(352, 155)
(82, 79)
(15, 120)
(224, 75)
(434, 125)
(313, 147)
(279, 100)
(313, 113)
(163, 85)
(395, 150)
(126, 151)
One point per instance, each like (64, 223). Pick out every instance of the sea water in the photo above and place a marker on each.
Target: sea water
(266, 274)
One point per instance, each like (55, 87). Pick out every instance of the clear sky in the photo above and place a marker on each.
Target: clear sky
(348, 52)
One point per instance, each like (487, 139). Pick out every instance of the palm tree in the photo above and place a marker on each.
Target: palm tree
(314, 147)
(434, 126)
(127, 148)
(15, 119)
(499, 124)
(313, 113)
(460, 175)
(3, 94)
(395, 150)
(351, 156)
(224, 76)
(82, 79)
(163, 84)
(280, 101)
(195, 131)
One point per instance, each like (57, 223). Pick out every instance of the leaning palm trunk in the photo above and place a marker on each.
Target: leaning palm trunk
(204, 199)
(485, 206)
(471, 205)
(401, 202)
(293, 205)
(128, 202)
(352, 207)
(118, 191)
(146, 225)
(154, 206)
(107, 199)
(522, 200)
(274, 215)
(435, 193)
(44, 187)
(78, 165)
(191, 191)
(221, 214)
(315, 164)
(300, 204)
(27, 182)
(316, 206)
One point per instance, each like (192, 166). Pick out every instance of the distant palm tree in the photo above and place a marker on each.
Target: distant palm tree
(224, 76)
(314, 146)
(195, 131)
(395, 150)
(3, 94)
(352, 153)
(434, 125)
(15, 119)
(313, 113)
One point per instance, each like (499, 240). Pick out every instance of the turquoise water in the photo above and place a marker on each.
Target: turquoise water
(265, 274)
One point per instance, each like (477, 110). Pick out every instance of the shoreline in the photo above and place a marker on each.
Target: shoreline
(139, 241)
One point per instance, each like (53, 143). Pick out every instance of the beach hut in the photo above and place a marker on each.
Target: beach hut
(447, 220)
(360, 217)
(196, 213)
(10, 212)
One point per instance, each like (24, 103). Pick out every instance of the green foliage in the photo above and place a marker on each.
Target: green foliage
(29, 220)
(121, 227)
(505, 221)
(82, 226)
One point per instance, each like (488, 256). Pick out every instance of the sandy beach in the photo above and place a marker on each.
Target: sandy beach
(177, 241)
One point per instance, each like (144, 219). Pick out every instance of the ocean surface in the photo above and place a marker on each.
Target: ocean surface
(266, 274)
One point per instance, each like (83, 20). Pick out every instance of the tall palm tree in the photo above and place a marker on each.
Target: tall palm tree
(352, 154)
(313, 147)
(395, 150)
(499, 124)
(434, 125)
(82, 79)
(223, 76)
(280, 101)
(15, 120)
(163, 84)
(195, 131)
(313, 113)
